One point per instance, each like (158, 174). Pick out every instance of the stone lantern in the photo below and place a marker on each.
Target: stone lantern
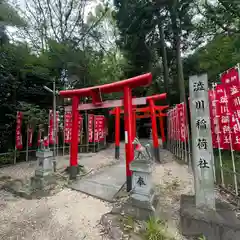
(44, 169)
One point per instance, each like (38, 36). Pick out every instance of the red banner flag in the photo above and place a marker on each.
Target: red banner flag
(213, 118)
(80, 123)
(223, 115)
(100, 128)
(30, 136)
(96, 128)
(57, 126)
(18, 140)
(40, 130)
(175, 124)
(50, 127)
(235, 137)
(230, 80)
(171, 123)
(67, 127)
(90, 127)
(181, 108)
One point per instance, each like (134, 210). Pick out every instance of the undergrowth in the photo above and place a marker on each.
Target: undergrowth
(202, 238)
(156, 230)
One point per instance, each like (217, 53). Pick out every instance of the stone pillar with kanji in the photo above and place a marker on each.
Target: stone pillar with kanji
(203, 214)
(142, 195)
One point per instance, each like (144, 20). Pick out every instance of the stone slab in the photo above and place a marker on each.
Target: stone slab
(221, 224)
(104, 184)
(140, 210)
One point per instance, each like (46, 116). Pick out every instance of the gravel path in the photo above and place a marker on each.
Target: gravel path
(68, 215)
(89, 160)
(172, 180)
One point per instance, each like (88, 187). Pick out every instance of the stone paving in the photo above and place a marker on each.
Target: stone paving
(104, 184)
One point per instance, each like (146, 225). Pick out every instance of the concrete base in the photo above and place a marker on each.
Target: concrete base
(156, 154)
(129, 183)
(73, 172)
(39, 183)
(117, 152)
(221, 224)
(141, 210)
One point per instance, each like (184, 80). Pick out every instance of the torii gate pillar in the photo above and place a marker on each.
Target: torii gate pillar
(74, 147)
(117, 132)
(128, 127)
(151, 100)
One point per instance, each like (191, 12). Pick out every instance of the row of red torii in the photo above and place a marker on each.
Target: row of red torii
(128, 102)
(146, 114)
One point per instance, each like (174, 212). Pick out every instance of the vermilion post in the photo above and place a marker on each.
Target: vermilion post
(74, 142)
(162, 129)
(128, 134)
(154, 130)
(134, 124)
(117, 132)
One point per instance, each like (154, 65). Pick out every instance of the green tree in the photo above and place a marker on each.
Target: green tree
(218, 55)
(154, 35)
(8, 17)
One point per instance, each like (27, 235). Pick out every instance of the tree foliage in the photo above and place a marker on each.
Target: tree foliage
(58, 45)
(173, 39)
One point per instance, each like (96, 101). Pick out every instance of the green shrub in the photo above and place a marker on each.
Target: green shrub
(156, 230)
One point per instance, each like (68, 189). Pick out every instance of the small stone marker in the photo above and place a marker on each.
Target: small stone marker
(43, 173)
(141, 202)
(45, 163)
(142, 180)
(202, 150)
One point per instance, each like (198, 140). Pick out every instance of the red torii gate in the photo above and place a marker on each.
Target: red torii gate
(160, 115)
(96, 92)
(118, 111)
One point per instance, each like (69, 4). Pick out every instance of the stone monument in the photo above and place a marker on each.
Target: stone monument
(44, 171)
(142, 198)
(202, 214)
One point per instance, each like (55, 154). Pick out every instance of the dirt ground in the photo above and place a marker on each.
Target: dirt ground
(172, 179)
(67, 215)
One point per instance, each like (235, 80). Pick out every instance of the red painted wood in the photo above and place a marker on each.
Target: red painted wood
(117, 126)
(108, 104)
(75, 126)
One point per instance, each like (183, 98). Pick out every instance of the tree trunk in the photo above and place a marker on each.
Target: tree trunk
(181, 83)
(164, 57)
(177, 43)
